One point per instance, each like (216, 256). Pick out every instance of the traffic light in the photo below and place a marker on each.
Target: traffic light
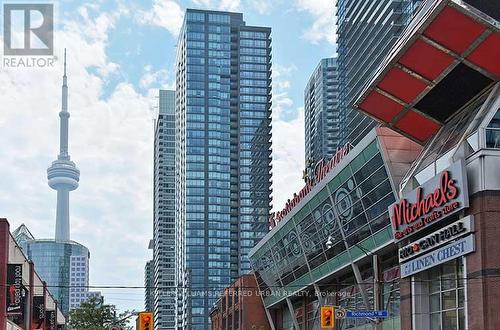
(145, 321)
(327, 317)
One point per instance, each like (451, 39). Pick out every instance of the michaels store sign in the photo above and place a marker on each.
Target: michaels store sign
(436, 199)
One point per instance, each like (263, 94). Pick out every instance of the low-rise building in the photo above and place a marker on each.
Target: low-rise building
(26, 302)
(240, 307)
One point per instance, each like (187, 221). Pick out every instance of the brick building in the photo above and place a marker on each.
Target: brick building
(240, 307)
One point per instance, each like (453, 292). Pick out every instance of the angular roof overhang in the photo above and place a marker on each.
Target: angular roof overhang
(447, 56)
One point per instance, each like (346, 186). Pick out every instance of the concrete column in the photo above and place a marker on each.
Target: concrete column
(62, 216)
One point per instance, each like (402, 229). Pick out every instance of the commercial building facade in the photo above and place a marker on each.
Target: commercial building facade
(240, 307)
(26, 300)
(366, 32)
(450, 103)
(426, 257)
(163, 267)
(223, 156)
(321, 112)
(314, 254)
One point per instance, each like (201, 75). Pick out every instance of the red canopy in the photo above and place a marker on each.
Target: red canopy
(447, 56)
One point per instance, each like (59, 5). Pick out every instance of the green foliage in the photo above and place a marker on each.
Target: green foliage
(95, 315)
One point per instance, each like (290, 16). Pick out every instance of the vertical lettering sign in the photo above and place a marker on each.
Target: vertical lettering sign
(50, 320)
(38, 313)
(16, 293)
(321, 169)
(436, 199)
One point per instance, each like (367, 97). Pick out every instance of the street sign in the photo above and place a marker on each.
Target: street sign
(363, 314)
(340, 313)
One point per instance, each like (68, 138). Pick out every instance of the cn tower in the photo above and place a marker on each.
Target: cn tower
(63, 175)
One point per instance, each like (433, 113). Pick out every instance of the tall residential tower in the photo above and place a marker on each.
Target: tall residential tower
(163, 266)
(366, 32)
(321, 111)
(223, 150)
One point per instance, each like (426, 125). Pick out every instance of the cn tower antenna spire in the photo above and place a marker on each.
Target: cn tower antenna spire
(64, 62)
(63, 175)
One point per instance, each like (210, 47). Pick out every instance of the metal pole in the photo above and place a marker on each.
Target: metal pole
(377, 296)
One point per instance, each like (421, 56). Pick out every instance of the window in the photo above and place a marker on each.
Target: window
(195, 17)
(493, 132)
(447, 296)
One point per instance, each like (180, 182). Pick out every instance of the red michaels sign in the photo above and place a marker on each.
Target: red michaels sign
(436, 199)
(317, 174)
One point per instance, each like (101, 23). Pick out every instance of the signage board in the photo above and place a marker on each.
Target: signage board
(16, 293)
(321, 169)
(363, 314)
(441, 255)
(444, 235)
(436, 199)
(38, 313)
(50, 320)
(340, 313)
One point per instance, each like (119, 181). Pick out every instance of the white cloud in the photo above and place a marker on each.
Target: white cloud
(229, 5)
(223, 5)
(264, 6)
(156, 79)
(282, 103)
(323, 13)
(164, 13)
(288, 158)
(288, 137)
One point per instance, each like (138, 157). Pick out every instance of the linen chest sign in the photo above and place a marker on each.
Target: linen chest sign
(441, 196)
(441, 255)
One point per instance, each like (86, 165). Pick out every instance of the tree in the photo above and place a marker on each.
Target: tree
(95, 315)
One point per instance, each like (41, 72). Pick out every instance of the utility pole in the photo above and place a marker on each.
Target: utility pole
(377, 294)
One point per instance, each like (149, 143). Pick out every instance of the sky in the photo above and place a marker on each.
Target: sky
(119, 54)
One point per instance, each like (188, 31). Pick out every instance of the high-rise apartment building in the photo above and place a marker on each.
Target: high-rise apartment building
(223, 151)
(148, 286)
(321, 111)
(366, 32)
(163, 266)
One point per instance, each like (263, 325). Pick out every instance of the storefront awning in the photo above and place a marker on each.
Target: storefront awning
(447, 56)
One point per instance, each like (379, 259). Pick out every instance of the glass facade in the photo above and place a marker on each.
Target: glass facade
(349, 210)
(54, 262)
(321, 111)
(366, 32)
(163, 266)
(223, 151)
